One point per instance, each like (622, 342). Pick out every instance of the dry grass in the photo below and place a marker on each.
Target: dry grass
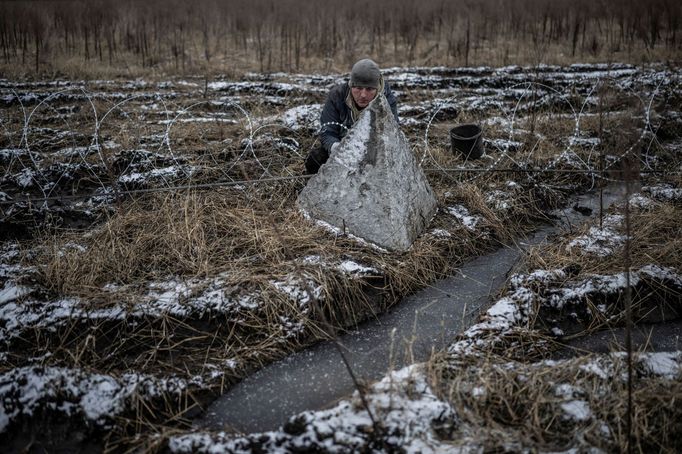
(192, 235)
(509, 397)
(512, 405)
(656, 237)
(251, 238)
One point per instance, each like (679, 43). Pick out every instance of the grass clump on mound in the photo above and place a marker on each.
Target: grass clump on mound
(556, 405)
(241, 275)
(502, 378)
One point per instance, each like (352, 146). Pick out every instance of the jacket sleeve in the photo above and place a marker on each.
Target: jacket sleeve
(392, 101)
(330, 121)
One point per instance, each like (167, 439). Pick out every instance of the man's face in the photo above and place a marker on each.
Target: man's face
(363, 95)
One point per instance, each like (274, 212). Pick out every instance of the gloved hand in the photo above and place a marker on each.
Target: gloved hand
(335, 146)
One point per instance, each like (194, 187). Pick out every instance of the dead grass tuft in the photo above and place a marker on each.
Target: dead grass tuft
(556, 405)
(656, 237)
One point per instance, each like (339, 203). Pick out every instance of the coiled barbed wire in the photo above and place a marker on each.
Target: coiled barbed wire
(34, 170)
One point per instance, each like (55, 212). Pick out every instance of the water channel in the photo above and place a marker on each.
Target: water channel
(422, 323)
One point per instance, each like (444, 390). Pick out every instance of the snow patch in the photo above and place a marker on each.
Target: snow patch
(440, 233)
(547, 288)
(663, 364)
(604, 241)
(462, 214)
(353, 268)
(403, 401)
(664, 192)
(302, 117)
(577, 410)
(12, 292)
(72, 392)
(154, 175)
(301, 291)
(499, 200)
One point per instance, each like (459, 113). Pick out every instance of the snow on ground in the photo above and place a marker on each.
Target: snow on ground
(584, 142)
(213, 119)
(258, 87)
(462, 214)
(552, 289)
(639, 201)
(571, 159)
(174, 297)
(346, 266)
(304, 117)
(572, 407)
(96, 398)
(664, 192)
(499, 200)
(154, 175)
(10, 268)
(604, 241)
(300, 289)
(12, 292)
(664, 364)
(403, 402)
(440, 233)
(22, 307)
(339, 232)
(414, 420)
(504, 145)
(353, 268)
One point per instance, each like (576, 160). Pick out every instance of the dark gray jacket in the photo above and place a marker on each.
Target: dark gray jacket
(336, 112)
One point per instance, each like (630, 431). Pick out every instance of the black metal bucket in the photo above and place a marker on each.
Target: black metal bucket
(468, 140)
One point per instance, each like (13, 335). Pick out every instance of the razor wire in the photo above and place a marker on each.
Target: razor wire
(255, 130)
(589, 169)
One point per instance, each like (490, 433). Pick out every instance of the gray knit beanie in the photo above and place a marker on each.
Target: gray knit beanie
(365, 73)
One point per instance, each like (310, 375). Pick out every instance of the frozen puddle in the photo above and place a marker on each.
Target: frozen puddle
(422, 323)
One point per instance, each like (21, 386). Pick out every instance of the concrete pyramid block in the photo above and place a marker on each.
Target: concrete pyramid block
(371, 186)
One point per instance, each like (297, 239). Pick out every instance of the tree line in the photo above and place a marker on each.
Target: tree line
(289, 35)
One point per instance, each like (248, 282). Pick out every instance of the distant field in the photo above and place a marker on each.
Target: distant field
(127, 38)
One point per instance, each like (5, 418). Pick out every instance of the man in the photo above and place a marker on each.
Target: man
(343, 106)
